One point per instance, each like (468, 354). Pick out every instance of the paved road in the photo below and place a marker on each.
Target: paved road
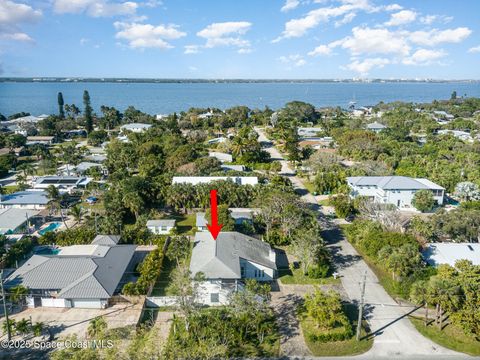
(394, 334)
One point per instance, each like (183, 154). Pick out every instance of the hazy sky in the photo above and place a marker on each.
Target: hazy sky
(241, 38)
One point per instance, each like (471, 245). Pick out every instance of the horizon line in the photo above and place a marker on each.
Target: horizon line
(110, 78)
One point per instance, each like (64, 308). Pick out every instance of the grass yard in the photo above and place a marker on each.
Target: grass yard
(9, 189)
(159, 289)
(338, 348)
(185, 223)
(450, 337)
(287, 277)
(324, 202)
(308, 185)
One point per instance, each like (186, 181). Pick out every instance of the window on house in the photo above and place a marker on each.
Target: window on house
(262, 273)
(242, 271)
(214, 298)
(255, 272)
(163, 228)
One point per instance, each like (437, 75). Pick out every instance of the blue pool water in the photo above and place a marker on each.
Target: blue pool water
(50, 227)
(47, 251)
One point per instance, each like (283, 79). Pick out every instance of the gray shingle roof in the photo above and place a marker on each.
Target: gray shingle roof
(393, 182)
(76, 276)
(220, 259)
(106, 240)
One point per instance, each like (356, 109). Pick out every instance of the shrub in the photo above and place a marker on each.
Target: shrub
(423, 200)
(338, 335)
(342, 204)
(318, 271)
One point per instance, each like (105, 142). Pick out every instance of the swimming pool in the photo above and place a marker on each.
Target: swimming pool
(47, 251)
(51, 227)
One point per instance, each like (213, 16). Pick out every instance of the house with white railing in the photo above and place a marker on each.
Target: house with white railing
(395, 190)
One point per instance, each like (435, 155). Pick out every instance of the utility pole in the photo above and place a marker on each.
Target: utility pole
(360, 308)
(9, 336)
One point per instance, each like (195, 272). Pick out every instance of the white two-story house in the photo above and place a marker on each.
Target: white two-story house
(226, 261)
(395, 190)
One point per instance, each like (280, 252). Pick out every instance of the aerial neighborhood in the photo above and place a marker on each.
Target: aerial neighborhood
(108, 218)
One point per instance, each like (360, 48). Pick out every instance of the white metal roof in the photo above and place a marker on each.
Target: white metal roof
(161, 222)
(394, 182)
(448, 253)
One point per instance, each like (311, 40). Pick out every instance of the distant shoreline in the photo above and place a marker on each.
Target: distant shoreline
(213, 81)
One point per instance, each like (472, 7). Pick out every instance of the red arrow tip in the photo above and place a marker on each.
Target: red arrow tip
(214, 230)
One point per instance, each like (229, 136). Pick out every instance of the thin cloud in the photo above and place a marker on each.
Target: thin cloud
(95, 8)
(475, 49)
(290, 5)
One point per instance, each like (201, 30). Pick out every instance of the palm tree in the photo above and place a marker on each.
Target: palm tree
(133, 202)
(77, 212)
(6, 327)
(17, 294)
(445, 294)
(27, 169)
(70, 154)
(96, 327)
(37, 328)
(419, 295)
(55, 201)
(23, 326)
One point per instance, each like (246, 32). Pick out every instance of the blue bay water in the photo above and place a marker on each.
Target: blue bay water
(163, 98)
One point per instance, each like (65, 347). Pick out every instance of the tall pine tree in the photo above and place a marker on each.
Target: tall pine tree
(87, 113)
(61, 112)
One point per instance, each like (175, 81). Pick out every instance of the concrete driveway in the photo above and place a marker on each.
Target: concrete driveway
(395, 336)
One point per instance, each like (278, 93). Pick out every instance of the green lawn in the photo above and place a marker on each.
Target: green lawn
(9, 189)
(185, 223)
(161, 285)
(159, 289)
(308, 185)
(324, 202)
(338, 348)
(287, 277)
(450, 337)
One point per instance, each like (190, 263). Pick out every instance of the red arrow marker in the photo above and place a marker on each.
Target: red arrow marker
(215, 227)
